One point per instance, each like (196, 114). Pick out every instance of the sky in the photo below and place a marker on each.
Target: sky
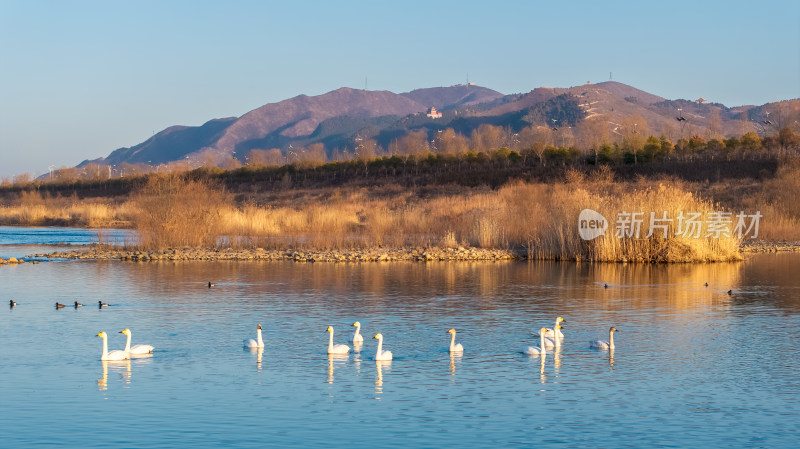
(80, 79)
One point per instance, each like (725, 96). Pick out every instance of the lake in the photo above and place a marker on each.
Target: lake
(693, 365)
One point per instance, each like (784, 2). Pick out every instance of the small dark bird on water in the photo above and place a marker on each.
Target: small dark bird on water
(11, 303)
(706, 284)
(101, 304)
(605, 285)
(211, 284)
(59, 305)
(77, 304)
(730, 292)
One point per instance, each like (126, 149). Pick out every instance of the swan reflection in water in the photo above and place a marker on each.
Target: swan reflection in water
(542, 375)
(338, 358)
(123, 367)
(379, 365)
(611, 358)
(258, 352)
(357, 346)
(453, 358)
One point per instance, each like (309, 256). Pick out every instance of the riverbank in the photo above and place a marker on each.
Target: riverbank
(260, 254)
(756, 247)
(354, 255)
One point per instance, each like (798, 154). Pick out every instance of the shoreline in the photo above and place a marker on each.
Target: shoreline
(418, 254)
(294, 255)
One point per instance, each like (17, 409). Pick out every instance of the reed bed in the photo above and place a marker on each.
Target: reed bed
(537, 219)
(33, 209)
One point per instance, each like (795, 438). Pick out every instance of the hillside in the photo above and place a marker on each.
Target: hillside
(338, 118)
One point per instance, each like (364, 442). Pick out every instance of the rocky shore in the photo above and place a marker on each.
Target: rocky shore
(96, 252)
(359, 255)
(761, 246)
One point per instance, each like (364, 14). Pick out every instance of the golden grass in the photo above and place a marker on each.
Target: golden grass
(34, 209)
(541, 219)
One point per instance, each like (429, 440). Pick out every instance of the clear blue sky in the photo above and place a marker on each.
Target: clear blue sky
(79, 79)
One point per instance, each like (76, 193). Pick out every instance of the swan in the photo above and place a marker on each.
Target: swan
(381, 355)
(550, 342)
(549, 332)
(601, 344)
(357, 338)
(257, 343)
(138, 349)
(453, 346)
(540, 350)
(59, 305)
(113, 355)
(335, 349)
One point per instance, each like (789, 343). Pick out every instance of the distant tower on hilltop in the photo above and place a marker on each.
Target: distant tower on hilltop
(433, 113)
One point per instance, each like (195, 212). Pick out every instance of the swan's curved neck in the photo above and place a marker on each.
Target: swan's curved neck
(105, 347)
(452, 340)
(380, 348)
(330, 340)
(610, 340)
(358, 329)
(541, 342)
(128, 343)
(258, 337)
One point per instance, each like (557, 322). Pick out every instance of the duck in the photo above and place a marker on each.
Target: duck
(335, 349)
(730, 292)
(101, 304)
(59, 305)
(357, 337)
(550, 333)
(77, 304)
(540, 350)
(603, 344)
(211, 284)
(138, 349)
(112, 355)
(453, 346)
(12, 303)
(257, 343)
(706, 284)
(381, 355)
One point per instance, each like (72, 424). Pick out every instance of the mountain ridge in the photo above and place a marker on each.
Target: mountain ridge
(338, 117)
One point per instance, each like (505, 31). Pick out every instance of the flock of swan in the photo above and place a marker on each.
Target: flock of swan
(123, 354)
(548, 338)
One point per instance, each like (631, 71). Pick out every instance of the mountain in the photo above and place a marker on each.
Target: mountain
(338, 118)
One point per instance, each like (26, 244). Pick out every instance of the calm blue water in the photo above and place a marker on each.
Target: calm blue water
(21, 241)
(693, 366)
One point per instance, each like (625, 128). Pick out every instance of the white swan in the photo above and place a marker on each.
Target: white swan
(336, 349)
(257, 343)
(113, 355)
(137, 349)
(602, 344)
(381, 355)
(357, 338)
(533, 350)
(549, 332)
(453, 346)
(551, 342)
